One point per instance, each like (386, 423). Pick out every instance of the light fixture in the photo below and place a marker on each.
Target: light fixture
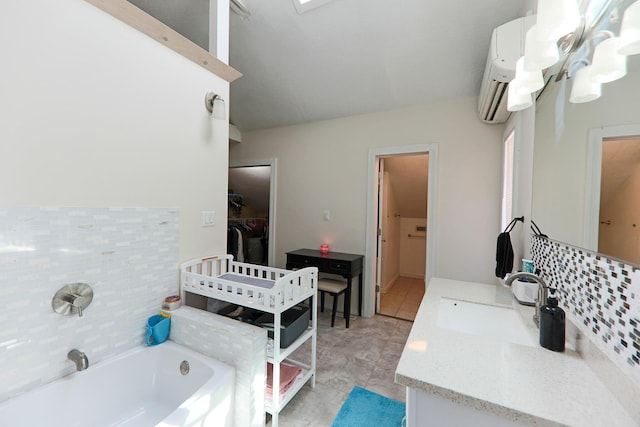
(516, 101)
(607, 64)
(539, 54)
(215, 105)
(630, 31)
(556, 18)
(583, 88)
(527, 82)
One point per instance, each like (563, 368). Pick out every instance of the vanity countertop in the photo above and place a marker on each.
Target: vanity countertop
(530, 384)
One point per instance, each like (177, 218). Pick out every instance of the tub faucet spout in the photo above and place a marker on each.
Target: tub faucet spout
(79, 358)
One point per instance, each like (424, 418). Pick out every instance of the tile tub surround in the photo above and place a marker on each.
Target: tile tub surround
(505, 379)
(602, 297)
(238, 344)
(128, 256)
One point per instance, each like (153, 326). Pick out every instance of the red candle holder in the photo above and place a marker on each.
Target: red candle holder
(324, 248)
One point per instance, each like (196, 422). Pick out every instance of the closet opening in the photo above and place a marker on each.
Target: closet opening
(399, 225)
(249, 228)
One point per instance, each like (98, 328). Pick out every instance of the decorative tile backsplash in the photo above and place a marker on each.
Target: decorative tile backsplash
(602, 294)
(128, 256)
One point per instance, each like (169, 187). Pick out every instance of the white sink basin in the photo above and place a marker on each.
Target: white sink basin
(499, 323)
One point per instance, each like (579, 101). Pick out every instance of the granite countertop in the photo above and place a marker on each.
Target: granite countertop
(529, 384)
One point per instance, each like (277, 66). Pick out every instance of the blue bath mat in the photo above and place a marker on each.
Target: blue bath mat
(364, 408)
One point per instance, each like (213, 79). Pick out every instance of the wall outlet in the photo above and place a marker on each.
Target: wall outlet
(208, 218)
(327, 214)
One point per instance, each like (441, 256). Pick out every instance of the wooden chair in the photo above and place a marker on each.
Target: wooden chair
(335, 288)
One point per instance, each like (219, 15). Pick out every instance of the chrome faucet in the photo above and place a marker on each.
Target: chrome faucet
(543, 291)
(79, 358)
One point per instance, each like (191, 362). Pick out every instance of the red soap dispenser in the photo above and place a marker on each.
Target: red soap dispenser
(552, 324)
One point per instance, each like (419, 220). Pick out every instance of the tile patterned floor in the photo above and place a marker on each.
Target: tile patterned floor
(403, 298)
(366, 355)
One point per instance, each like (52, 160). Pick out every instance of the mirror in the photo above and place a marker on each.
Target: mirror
(568, 168)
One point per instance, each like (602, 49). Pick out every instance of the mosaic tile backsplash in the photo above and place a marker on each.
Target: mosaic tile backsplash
(601, 294)
(128, 256)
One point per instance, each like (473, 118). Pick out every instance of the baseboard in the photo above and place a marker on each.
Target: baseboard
(386, 286)
(412, 276)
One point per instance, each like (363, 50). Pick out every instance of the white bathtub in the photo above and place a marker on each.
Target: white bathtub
(143, 387)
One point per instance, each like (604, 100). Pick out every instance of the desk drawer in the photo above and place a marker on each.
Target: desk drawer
(339, 267)
(301, 261)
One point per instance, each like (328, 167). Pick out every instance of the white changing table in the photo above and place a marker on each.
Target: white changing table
(266, 289)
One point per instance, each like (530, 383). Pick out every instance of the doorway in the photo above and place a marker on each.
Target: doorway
(619, 225)
(400, 216)
(251, 199)
(612, 225)
(403, 190)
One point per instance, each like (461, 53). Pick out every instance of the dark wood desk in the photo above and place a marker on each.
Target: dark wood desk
(343, 264)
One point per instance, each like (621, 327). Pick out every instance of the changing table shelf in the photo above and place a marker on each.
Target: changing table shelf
(266, 289)
(286, 397)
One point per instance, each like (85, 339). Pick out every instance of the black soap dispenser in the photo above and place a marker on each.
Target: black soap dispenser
(552, 323)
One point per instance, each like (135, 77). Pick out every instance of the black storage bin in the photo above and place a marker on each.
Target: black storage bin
(292, 324)
(248, 315)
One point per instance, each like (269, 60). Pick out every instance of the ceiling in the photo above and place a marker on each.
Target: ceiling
(350, 57)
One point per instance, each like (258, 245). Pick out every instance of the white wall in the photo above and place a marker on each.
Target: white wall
(95, 113)
(323, 165)
(413, 251)
(560, 155)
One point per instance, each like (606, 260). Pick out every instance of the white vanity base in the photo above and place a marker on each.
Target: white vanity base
(426, 410)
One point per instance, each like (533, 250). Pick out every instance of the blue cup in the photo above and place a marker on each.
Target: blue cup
(527, 265)
(157, 329)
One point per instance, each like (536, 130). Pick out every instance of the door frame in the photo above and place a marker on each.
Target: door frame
(369, 292)
(594, 172)
(273, 162)
(380, 215)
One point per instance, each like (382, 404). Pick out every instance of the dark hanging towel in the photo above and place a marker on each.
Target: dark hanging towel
(504, 250)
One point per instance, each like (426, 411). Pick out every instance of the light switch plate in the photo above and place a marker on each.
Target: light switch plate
(208, 218)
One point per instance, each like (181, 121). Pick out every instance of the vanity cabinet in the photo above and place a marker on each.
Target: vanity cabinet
(427, 410)
(467, 378)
